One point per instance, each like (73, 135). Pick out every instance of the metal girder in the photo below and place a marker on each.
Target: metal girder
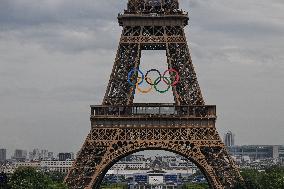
(137, 38)
(105, 146)
(152, 6)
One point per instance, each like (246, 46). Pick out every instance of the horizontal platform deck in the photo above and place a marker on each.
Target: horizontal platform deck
(153, 111)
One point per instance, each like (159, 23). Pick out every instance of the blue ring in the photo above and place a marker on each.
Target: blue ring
(131, 73)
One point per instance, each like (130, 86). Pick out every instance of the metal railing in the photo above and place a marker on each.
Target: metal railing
(154, 110)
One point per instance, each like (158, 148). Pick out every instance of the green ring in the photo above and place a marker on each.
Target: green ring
(155, 85)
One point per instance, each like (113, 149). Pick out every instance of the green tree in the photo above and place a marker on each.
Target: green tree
(56, 176)
(197, 186)
(58, 186)
(29, 178)
(3, 181)
(273, 178)
(251, 178)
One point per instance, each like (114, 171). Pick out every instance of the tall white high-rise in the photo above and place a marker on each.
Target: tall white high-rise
(20, 155)
(229, 139)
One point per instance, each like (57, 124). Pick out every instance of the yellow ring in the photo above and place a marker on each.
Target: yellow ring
(146, 90)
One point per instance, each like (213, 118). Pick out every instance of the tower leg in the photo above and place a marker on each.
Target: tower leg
(187, 91)
(105, 146)
(119, 91)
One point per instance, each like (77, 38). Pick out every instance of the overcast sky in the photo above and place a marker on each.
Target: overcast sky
(56, 57)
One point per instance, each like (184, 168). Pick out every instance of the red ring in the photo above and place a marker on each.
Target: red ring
(177, 77)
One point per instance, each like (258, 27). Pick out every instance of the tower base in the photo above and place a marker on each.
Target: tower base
(120, 131)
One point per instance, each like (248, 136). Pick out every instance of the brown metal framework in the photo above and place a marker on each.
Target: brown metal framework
(120, 128)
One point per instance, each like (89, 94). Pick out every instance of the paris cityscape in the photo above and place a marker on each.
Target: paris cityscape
(141, 94)
(169, 169)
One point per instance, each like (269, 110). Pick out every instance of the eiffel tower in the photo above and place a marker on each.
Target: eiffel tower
(120, 127)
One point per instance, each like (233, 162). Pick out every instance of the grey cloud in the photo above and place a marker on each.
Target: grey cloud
(239, 18)
(33, 12)
(61, 25)
(70, 38)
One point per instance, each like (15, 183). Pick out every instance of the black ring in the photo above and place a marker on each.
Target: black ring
(160, 77)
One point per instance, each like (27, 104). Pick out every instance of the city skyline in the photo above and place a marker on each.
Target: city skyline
(53, 54)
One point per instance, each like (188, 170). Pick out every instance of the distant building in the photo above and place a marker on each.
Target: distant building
(56, 166)
(281, 151)
(3, 155)
(180, 165)
(281, 154)
(133, 158)
(229, 139)
(44, 154)
(257, 152)
(20, 155)
(34, 155)
(65, 156)
(155, 178)
(129, 165)
(27, 164)
(38, 155)
(50, 156)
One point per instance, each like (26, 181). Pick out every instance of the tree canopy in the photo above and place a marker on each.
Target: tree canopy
(30, 178)
(271, 178)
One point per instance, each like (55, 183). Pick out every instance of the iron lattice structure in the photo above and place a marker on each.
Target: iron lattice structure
(119, 127)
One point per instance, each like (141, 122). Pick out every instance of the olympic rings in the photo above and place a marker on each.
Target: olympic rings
(146, 90)
(131, 73)
(153, 70)
(155, 86)
(177, 77)
(140, 80)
